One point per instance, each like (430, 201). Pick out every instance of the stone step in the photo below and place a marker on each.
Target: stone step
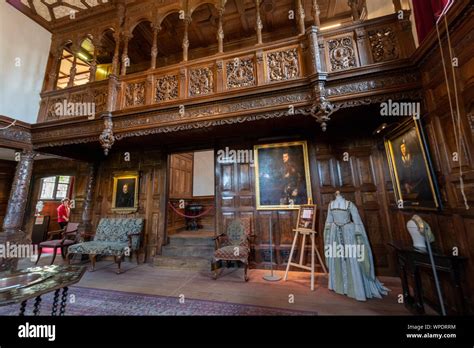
(176, 240)
(191, 263)
(188, 251)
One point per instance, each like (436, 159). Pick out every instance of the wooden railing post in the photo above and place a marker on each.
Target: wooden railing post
(259, 23)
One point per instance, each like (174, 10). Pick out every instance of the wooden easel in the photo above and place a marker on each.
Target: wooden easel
(308, 229)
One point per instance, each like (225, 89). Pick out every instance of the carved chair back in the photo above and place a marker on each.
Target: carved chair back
(238, 232)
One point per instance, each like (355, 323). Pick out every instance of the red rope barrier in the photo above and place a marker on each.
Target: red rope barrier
(190, 216)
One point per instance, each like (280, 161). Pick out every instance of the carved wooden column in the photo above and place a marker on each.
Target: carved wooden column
(397, 5)
(259, 23)
(93, 67)
(87, 205)
(19, 193)
(187, 21)
(316, 12)
(363, 46)
(316, 57)
(301, 16)
(154, 49)
(220, 29)
(57, 54)
(125, 60)
(115, 59)
(220, 65)
(354, 5)
(73, 70)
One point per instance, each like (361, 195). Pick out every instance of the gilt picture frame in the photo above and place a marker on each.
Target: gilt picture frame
(125, 192)
(282, 177)
(410, 167)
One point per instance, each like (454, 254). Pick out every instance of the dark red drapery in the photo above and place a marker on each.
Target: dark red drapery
(426, 13)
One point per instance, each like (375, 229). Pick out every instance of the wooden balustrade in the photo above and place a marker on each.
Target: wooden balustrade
(342, 49)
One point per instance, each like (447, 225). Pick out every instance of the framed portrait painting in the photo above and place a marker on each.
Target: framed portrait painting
(410, 167)
(125, 193)
(282, 175)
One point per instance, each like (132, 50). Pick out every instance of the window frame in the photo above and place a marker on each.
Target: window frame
(55, 189)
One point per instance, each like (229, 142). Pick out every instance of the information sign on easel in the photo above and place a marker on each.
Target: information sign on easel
(305, 225)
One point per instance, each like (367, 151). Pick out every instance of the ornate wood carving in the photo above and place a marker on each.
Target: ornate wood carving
(201, 81)
(384, 44)
(135, 94)
(240, 73)
(377, 82)
(107, 138)
(342, 53)
(87, 205)
(283, 65)
(166, 88)
(19, 193)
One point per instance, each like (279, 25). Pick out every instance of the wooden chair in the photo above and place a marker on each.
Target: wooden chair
(234, 245)
(68, 237)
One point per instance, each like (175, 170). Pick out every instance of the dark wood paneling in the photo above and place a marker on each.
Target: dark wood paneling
(357, 178)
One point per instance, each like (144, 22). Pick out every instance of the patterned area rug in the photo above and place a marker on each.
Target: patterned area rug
(89, 301)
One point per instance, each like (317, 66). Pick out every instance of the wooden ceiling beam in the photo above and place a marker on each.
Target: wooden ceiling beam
(243, 18)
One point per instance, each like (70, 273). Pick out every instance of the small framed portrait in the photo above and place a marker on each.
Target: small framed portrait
(282, 175)
(125, 193)
(306, 217)
(410, 167)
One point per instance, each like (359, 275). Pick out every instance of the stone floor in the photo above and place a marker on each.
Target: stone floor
(230, 287)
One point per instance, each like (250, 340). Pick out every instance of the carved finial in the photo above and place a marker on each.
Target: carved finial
(107, 138)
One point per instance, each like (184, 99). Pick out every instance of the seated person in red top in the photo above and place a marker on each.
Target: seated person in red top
(63, 212)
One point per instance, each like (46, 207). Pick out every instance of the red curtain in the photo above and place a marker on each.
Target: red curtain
(426, 14)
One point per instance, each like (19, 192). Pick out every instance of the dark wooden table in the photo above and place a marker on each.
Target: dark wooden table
(52, 278)
(411, 261)
(193, 210)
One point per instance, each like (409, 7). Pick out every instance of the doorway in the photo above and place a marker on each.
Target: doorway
(191, 216)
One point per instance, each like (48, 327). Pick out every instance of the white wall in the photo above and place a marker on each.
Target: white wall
(379, 8)
(21, 37)
(203, 173)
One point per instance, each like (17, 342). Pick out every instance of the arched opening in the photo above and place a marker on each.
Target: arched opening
(170, 40)
(105, 55)
(65, 66)
(74, 68)
(85, 57)
(203, 31)
(139, 47)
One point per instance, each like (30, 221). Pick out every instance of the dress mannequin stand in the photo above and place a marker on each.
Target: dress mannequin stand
(352, 271)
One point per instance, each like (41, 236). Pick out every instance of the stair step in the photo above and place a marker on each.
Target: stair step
(191, 263)
(190, 241)
(203, 251)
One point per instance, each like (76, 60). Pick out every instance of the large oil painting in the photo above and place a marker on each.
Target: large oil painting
(282, 175)
(410, 167)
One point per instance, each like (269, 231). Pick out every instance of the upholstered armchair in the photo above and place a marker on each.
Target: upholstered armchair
(67, 237)
(233, 246)
(113, 237)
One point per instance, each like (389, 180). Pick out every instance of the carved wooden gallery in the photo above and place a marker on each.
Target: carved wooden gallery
(321, 146)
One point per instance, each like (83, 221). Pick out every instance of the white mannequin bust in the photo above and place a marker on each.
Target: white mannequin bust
(340, 201)
(416, 236)
(420, 231)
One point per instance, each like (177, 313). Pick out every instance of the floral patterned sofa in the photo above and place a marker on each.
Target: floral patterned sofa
(113, 237)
